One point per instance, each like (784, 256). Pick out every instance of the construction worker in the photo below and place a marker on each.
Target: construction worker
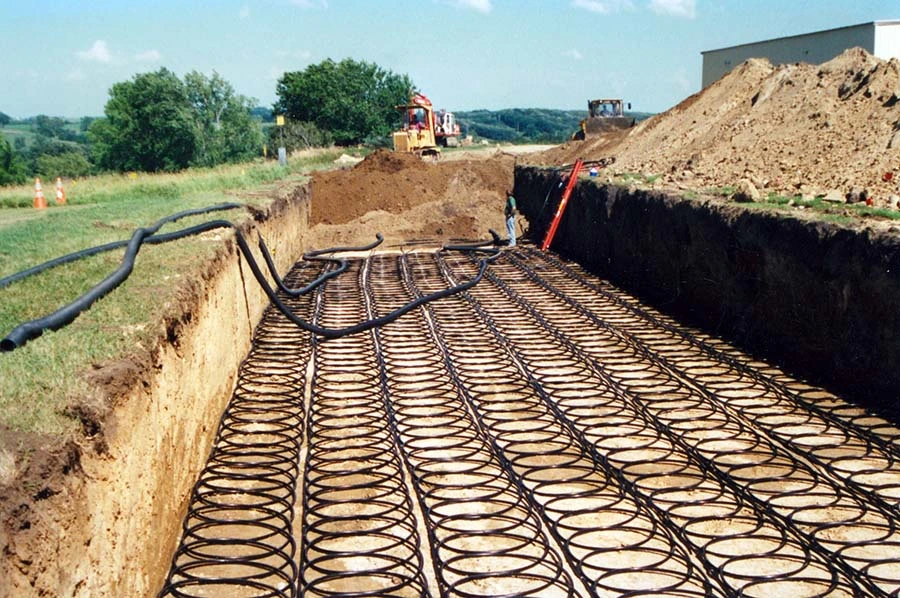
(510, 213)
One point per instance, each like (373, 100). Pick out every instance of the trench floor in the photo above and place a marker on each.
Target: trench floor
(542, 434)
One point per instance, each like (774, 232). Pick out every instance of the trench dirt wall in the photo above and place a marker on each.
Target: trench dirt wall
(819, 299)
(111, 527)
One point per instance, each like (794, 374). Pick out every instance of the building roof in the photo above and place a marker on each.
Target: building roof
(873, 23)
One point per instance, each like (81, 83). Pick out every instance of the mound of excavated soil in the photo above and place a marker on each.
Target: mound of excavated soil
(406, 198)
(791, 129)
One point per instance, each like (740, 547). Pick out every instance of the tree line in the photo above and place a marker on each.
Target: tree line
(153, 122)
(157, 121)
(526, 125)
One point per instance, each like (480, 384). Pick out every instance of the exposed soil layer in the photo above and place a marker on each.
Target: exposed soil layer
(406, 198)
(820, 298)
(98, 514)
(794, 129)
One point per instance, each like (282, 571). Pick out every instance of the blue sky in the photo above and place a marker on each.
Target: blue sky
(60, 57)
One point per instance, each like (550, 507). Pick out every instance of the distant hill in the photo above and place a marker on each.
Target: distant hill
(526, 125)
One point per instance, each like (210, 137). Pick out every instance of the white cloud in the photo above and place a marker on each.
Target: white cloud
(573, 54)
(310, 3)
(245, 12)
(75, 75)
(148, 56)
(482, 6)
(99, 52)
(676, 8)
(603, 7)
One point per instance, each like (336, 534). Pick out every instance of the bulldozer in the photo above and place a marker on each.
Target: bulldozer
(604, 115)
(424, 132)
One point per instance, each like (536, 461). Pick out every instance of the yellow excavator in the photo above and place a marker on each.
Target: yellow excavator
(424, 132)
(604, 115)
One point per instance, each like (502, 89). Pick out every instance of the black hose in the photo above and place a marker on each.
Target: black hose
(66, 314)
(362, 326)
(314, 256)
(77, 255)
(32, 329)
(495, 241)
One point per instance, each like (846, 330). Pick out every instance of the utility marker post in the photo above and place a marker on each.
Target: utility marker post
(282, 153)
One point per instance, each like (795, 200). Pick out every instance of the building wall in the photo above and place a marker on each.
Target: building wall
(814, 48)
(887, 40)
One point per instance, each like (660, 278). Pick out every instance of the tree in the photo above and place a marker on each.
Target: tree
(224, 127)
(12, 169)
(264, 114)
(50, 126)
(148, 125)
(352, 100)
(298, 135)
(68, 164)
(5, 119)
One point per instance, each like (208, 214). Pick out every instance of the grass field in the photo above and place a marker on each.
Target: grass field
(37, 379)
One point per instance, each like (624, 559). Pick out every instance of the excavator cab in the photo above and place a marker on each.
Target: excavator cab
(417, 134)
(605, 108)
(604, 115)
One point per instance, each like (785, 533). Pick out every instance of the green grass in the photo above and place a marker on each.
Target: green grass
(628, 178)
(17, 131)
(827, 211)
(723, 191)
(38, 380)
(840, 213)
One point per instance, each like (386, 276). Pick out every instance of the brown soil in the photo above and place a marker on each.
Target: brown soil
(49, 486)
(791, 129)
(406, 198)
(97, 512)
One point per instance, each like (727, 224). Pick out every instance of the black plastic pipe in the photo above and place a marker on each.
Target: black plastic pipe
(362, 326)
(32, 329)
(66, 314)
(315, 256)
(77, 255)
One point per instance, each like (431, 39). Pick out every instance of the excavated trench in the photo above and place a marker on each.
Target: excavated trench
(819, 298)
(543, 434)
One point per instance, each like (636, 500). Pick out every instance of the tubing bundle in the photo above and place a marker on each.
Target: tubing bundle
(66, 314)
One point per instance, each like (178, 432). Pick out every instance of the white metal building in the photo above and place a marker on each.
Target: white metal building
(879, 38)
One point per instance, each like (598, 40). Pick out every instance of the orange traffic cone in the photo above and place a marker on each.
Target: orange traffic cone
(60, 192)
(40, 202)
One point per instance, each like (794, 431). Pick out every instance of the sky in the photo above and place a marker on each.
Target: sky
(60, 57)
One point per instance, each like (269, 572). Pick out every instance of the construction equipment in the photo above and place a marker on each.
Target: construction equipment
(603, 116)
(425, 132)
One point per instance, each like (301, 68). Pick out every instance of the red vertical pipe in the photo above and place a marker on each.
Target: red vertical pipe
(562, 204)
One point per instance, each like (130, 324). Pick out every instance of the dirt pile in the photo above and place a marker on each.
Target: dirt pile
(406, 198)
(791, 129)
